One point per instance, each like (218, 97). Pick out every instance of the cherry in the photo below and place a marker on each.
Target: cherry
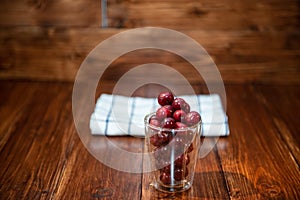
(162, 113)
(163, 163)
(181, 143)
(182, 161)
(179, 115)
(186, 108)
(153, 117)
(165, 98)
(170, 109)
(181, 104)
(166, 169)
(179, 125)
(177, 103)
(159, 139)
(192, 118)
(180, 174)
(154, 121)
(168, 123)
(165, 178)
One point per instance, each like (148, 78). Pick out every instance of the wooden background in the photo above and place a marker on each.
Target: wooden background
(249, 40)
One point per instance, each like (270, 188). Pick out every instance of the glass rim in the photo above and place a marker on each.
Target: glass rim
(146, 123)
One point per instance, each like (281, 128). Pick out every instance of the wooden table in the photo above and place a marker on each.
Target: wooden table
(42, 156)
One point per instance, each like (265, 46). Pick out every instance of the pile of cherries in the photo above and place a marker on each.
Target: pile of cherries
(174, 114)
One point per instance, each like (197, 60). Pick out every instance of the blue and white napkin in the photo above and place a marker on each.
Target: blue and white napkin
(116, 115)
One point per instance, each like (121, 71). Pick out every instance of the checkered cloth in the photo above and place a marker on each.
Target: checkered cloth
(119, 115)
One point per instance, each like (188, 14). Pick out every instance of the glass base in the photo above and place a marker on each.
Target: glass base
(185, 185)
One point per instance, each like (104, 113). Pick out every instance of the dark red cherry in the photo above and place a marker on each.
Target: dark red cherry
(192, 118)
(182, 161)
(154, 121)
(179, 125)
(179, 115)
(181, 104)
(163, 162)
(170, 108)
(168, 122)
(159, 139)
(162, 113)
(165, 178)
(166, 169)
(177, 103)
(186, 107)
(180, 174)
(165, 98)
(152, 117)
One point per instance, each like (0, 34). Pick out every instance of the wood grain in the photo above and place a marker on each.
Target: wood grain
(51, 13)
(254, 132)
(283, 105)
(250, 41)
(42, 157)
(205, 15)
(56, 54)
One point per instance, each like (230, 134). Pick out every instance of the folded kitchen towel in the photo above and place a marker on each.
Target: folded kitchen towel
(116, 115)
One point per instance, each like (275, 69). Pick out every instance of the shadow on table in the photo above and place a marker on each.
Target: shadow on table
(213, 185)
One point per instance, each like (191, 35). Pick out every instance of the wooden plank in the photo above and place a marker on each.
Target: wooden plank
(12, 108)
(205, 15)
(50, 13)
(56, 53)
(84, 177)
(20, 156)
(255, 153)
(283, 104)
(43, 157)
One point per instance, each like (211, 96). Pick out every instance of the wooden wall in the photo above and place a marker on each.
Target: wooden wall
(249, 40)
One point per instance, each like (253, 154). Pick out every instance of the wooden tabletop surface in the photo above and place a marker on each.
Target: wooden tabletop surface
(42, 156)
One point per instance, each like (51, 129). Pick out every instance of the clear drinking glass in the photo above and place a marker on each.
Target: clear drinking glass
(173, 155)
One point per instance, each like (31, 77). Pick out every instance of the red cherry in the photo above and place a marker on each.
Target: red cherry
(168, 123)
(177, 103)
(166, 169)
(170, 108)
(182, 142)
(180, 174)
(159, 139)
(163, 162)
(165, 98)
(186, 107)
(179, 125)
(155, 122)
(182, 161)
(153, 117)
(162, 113)
(165, 178)
(192, 118)
(179, 115)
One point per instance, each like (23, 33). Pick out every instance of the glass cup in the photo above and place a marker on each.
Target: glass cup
(173, 155)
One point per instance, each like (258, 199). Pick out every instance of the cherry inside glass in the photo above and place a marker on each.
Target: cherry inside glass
(173, 155)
